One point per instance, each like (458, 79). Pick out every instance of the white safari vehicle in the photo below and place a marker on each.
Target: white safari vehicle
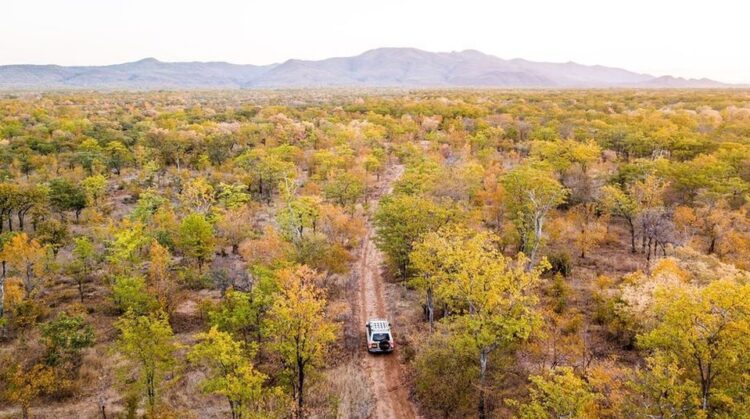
(379, 338)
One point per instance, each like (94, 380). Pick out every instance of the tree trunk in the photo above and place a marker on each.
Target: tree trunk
(2, 292)
(151, 391)
(538, 230)
(705, 387)
(583, 244)
(80, 289)
(632, 235)
(300, 388)
(482, 408)
(430, 308)
(233, 409)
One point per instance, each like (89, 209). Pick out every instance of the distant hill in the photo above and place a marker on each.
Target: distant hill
(383, 67)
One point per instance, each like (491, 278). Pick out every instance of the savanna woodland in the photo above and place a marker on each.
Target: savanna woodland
(539, 254)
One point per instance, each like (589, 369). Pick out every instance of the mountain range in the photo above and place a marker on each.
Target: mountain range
(382, 67)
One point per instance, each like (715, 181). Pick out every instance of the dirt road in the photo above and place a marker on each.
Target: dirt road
(383, 371)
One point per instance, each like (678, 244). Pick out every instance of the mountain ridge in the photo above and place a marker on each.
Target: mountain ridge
(380, 67)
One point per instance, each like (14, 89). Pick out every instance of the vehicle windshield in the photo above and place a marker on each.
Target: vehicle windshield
(377, 337)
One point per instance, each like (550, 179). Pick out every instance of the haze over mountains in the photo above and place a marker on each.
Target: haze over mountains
(383, 67)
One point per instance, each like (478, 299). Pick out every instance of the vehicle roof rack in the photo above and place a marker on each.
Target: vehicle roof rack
(379, 324)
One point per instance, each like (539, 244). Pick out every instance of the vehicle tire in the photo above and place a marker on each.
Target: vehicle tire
(384, 345)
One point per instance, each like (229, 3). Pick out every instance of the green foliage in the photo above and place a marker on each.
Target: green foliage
(402, 220)
(345, 188)
(560, 293)
(444, 357)
(242, 313)
(298, 330)
(532, 193)
(130, 294)
(266, 169)
(703, 335)
(65, 196)
(148, 203)
(561, 394)
(233, 195)
(147, 343)
(231, 374)
(196, 238)
(488, 295)
(560, 263)
(299, 214)
(127, 245)
(117, 156)
(563, 154)
(64, 338)
(94, 188)
(669, 170)
(54, 234)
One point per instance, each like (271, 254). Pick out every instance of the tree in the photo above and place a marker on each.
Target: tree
(662, 391)
(64, 338)
(620, 204)
(563, 154)
(299, 214)
(231, 374)
(587, 231)
(400, 222)
(233, 196)
(657, 229)
(344, 188)
(198, 195)
(235, 225)
(560, 394)
(196, 238)
(90, 155)
(237, 315)
(489, 296)
(532, 193)
(83, 263)
(706, 333)
(64, 196)
(26, 256)
(427, 261)
(299, 332)
(130, 294)
(117, 156)
(94, 188)
(443, 356)
(28, 198)
(243, 313)
(266, 170)
(147, 343)
(160, 277)
(8, 201)
(713, 221)
(53, 234)
(24, 386)
(127, 245)
(4, 239)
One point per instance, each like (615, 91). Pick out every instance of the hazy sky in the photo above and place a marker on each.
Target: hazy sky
(684, 38)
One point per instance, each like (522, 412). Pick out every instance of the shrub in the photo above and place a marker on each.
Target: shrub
(560, 263)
